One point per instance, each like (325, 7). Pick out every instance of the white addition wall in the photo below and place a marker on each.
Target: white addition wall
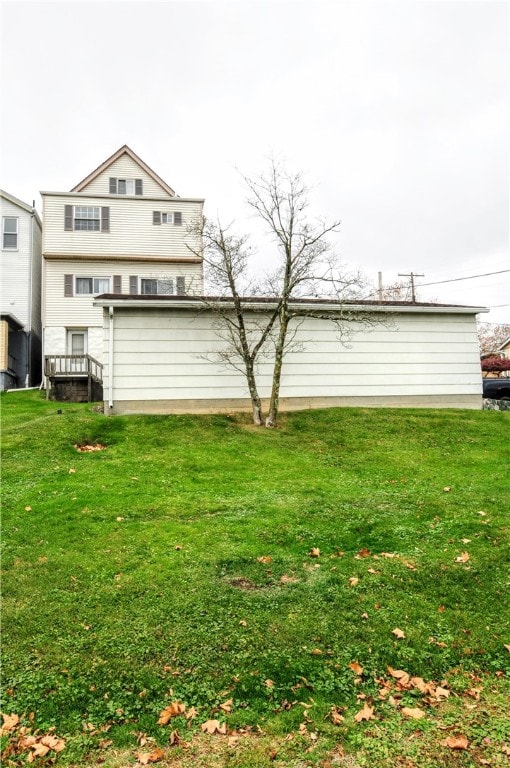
(163, 362)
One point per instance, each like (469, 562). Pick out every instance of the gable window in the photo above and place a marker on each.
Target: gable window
(164, 217)
(86, 218)
(86, 286)
(154, 286)
(10, 232)
(126, 186)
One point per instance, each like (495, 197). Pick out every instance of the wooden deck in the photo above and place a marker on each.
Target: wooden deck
(72, 368)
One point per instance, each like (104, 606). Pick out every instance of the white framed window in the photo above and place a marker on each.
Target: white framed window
(10, 226)
(87, 218)
(89, 286)
(167, 217)
(126, 186)
(156, 286)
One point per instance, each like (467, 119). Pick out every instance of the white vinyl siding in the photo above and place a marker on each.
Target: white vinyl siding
(125, 168)
(78, 310)
(159, 356)
(131, 230)
(20, 269)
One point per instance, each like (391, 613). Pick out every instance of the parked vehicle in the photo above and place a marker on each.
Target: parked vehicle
(497, 389)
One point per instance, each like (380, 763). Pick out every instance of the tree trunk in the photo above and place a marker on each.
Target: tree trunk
(256, 405)
(274, 402)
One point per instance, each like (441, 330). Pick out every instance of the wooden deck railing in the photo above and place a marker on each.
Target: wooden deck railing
(73, 365)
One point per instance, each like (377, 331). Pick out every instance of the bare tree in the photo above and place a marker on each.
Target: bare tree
(491, 337)
(307, 265)
(306, 268)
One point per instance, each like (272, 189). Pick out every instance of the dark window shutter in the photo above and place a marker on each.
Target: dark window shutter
(68, 218)
(113, 186)
(133, 284)
(181, 285)
(178, 217)
(105, 219)
(156, 217)
(138, 186)
(117, 283)
(68, 285)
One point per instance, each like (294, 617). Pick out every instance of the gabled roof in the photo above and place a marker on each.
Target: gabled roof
(20, 204)
(125, 150)
(502, 346)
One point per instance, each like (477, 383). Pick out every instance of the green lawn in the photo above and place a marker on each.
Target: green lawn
(180, 564)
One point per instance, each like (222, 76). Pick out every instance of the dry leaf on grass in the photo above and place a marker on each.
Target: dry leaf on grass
(353, 581)
(144, 758)
(414, 713)
(367, 713)
(462, 558)
(10, 723)
(227, 705)
(265, 559)
(214, 726)
(173, 710)
(335, 715)
(315, 552)
(456, 742)
(398, 633)
(356, 668)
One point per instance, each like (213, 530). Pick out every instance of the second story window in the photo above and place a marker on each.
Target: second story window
(87, 218)
(92, 285)
(153, 286)
(126, 186)
(10, 233)
(162, 217)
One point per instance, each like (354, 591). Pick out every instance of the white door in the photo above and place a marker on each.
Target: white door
(77, 345)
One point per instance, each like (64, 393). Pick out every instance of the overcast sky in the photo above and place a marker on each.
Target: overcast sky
(397, 112)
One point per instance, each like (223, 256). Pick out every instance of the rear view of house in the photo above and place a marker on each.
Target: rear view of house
(121, 230)
(20, 294)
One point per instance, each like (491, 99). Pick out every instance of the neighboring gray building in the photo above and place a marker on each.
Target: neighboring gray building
(20, 294)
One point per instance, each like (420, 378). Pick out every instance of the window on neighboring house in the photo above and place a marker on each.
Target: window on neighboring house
(91, 285)
(10, 232)
(161, 217)
(156, 286)
(126, 186)
(87, 218)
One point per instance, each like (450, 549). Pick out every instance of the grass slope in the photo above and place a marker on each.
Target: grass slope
(177, 564)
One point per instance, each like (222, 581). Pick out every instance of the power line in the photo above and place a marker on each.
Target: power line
(470, 277)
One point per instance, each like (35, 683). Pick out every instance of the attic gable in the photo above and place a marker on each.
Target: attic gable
(123, 164)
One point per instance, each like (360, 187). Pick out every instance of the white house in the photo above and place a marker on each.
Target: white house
(20, 294)
(121, 230)
(161, 357)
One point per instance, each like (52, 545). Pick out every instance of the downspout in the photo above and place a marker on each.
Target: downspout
(28, 336)
(110, 357)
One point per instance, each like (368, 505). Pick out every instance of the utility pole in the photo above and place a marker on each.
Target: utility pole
(380, 286)
(411, 275)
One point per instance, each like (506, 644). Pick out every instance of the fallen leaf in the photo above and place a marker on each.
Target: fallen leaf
(505, 749)
(266, 559)
(353, 581)
(288, 579)
(364, 615)
(357, 668)
(462, 558)
(466, 541)
(227, 705)
(335, 715)
(367, 713)
(173, 710)
(398, 633)
(315, 552)
(441, 693)
(507, 647)
(414, 713)
(243, 623)
(214, 726)
(39, 750)
(10, 722)
(144, 758)
(447, 488)
(190, 713)
(119, 519)
(28, 509)
(364, 552)
(269, 683)
(316, 652)
(456, 742)
(388, 554)
(72, 471)
(371, 570)
(400, 675)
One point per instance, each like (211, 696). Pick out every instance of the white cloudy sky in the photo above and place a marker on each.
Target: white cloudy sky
(398, 113)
